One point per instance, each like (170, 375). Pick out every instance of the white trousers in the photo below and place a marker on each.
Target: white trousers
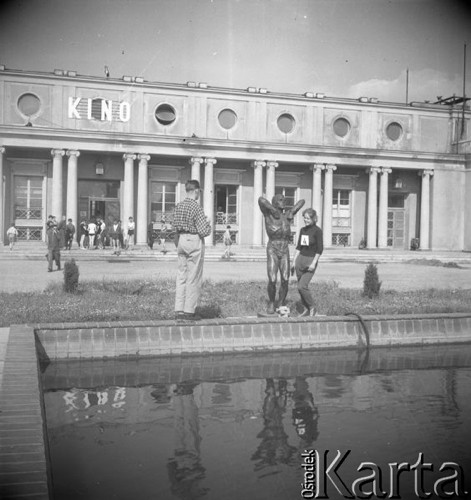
(190, 251)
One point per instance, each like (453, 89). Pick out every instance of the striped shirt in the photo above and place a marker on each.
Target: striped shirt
(189, 218)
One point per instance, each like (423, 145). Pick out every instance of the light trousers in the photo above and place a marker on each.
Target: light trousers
(190, 251)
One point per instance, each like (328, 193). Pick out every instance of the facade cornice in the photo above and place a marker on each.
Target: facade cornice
(138, 84)
(224, 149)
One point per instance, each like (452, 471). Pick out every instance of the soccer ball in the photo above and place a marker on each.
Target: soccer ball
(283, 311)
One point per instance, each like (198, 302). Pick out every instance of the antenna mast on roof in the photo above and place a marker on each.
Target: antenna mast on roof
(407, 86)
(464, 91)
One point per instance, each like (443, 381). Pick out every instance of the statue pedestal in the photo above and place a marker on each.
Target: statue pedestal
(267, 315)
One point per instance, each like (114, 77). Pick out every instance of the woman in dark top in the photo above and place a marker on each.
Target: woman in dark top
(308, 250)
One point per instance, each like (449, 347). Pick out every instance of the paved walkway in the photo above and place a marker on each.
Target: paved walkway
(20, 273)
(23, 275)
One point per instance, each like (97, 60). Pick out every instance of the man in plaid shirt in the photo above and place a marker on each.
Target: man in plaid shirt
(191, 226)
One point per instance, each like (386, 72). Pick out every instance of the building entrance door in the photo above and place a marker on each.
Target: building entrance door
(104, 208)
(226, 212)
(99, 199)
(28, 207)
(396, 220)
(396, 227)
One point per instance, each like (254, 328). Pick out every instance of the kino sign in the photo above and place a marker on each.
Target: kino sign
(98, 109)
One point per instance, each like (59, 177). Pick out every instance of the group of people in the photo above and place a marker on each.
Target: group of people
(192, 227)
(94, 234)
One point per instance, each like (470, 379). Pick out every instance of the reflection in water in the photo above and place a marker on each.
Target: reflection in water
(242, 435)
(185, 470)
(273, 448)
(305, 413)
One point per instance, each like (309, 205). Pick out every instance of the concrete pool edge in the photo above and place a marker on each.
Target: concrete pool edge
(235, 335)
(28, 344)
(23, 445)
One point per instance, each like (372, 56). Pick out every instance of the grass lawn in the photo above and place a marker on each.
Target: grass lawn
(142, 300)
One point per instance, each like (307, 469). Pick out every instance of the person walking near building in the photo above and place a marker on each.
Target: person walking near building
(101, 234)
(308, 250)
(92, 229)
(61, 227)
(12, 234)
(131, 227)
(69, 234)
(163, 236)
(83, 229)
(191, 226)
(53, 246)
(227, 239)
(116, 236)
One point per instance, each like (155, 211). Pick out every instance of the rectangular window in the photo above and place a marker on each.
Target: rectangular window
(28, 197)
(27, 209)
(396, 201)
(289, 193)
(163, 196)
(225, 206)
(341, 217)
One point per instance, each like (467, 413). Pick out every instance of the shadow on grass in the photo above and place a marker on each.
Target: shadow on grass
(209, 311)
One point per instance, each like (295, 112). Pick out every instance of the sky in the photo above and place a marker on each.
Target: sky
(343, 48)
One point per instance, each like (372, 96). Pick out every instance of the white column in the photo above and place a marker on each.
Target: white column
(2, 200)
(196, 169)
(72, 180)
(128, 188)
(383, 209)
(317, 169)
(142, 199)
(257, 192)
(209, 195)
(328, 188)
(372, 207)
(57, 208)
(270, 185)
(424, 241)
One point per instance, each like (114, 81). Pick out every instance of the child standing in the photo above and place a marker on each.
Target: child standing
(12, 234)
(227, 242)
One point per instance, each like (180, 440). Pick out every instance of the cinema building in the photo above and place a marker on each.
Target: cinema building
(376, 172)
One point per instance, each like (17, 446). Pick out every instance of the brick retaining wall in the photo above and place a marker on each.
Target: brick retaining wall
(233, 335)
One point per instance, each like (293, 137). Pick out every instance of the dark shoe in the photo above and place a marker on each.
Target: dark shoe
(59, 268)
(271, 308)
(191, 317)
(179, 315)
(49, 270)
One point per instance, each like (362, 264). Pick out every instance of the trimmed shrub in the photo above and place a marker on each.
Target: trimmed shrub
(371, 283)
(71, 276)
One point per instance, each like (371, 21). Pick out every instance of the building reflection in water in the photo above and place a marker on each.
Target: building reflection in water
(185, 469)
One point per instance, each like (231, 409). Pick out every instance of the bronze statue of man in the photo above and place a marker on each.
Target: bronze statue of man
(278, 227)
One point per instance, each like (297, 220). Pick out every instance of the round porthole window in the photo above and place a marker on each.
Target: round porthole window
(165, 114)
(286, 123)
(394, 131)
(29, 104)
(341, 127)
(227, 119)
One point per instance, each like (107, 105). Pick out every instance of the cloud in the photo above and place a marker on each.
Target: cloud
(425, 84)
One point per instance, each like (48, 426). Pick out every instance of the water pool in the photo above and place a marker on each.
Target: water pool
(236, 427)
